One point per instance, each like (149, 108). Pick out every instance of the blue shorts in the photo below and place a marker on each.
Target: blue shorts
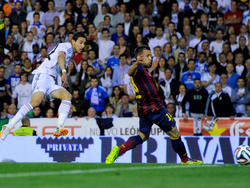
(161, 118)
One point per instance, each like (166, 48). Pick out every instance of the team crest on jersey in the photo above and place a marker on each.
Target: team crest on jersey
(64, 150)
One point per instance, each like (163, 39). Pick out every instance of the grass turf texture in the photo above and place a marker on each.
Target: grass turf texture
(122, 175)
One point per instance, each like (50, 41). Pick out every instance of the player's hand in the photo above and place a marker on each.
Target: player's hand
(65, 80)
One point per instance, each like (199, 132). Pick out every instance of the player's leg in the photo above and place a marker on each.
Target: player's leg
(63, 110)
(36, 100)
(132, 142)
(167, 123)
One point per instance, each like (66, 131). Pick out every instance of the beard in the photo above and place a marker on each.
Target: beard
(148, 65)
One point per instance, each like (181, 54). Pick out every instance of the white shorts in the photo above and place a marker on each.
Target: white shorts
(44, 83)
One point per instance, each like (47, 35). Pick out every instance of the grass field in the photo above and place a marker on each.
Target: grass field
(80, 175)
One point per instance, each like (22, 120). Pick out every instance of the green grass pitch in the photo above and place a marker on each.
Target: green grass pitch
(80, 175)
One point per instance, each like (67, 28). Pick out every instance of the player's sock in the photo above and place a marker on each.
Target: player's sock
(63, 112)
(131, 143)
(179, 148)
(20, 115)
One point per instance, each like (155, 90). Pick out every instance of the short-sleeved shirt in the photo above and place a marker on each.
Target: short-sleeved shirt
(50, 64)
(13, 81)
(188, 78)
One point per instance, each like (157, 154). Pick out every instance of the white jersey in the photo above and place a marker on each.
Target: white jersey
(50, 64)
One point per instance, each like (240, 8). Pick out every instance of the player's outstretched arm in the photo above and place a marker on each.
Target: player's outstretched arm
(61, 62)
(133, 68)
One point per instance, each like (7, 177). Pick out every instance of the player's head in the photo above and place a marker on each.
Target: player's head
(78, 42)
(143, 53)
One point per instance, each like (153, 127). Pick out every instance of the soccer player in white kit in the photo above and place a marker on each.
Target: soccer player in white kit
(44, 84)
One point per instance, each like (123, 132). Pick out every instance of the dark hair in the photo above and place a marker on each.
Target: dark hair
(36, 13)
(191, 60)
(104, 76)
(139, 50)
(78, 35)
(197, 79)
(105, 29)
(94, 77)
(111, 106)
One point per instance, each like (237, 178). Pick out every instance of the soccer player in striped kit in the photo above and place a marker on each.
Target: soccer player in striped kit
(44, 84)
(150, 110)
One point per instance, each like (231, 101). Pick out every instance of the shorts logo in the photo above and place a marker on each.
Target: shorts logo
(64, 150)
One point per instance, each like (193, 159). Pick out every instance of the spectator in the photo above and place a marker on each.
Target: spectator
(198, 38)
(14, 80)
(3, 87)
(233, 17)
(17, 16)
(9, 67)
(119, 33)
(239, 67)
(106, 80)
(84, 14)
(114, 60)
(105, 46)
(77, 104)
(178, 100)
(169, 86)
(125, 109)
(109, 112)
(120, 71)
(127, 24)
(115, 98)
(96, 96)
(11, 112)
(25, 129)
(159, 40)
(197, 98)
(248, 111)
(221, 65)
(5, 31)
(37, 24)
(72, 72)
(18, 38)
(240, 97)
(68, 15)
(48, 16)
(225, 88)
(232, 77)
(180, 67)
(208, 79)
(189, 76)
(37, 9)
(22, 92)
(123, 48)
(171, 108)
(49, 113)
(201, 66)
(216, 46)
(100, 16)
(242, 47)
(219, 105)
(85, 83)
(36, 112)
(91, 113)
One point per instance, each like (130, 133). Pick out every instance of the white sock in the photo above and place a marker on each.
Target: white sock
(63, 112)
(20, 115)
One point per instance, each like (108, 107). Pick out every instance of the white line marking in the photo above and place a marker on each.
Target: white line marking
(94, 171)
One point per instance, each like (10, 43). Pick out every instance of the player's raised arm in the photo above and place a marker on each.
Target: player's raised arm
(133, 68)
(61, 62)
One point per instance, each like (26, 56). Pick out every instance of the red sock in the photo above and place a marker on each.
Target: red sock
(131, 143)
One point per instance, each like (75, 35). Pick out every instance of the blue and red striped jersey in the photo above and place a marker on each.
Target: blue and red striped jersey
(146, 90)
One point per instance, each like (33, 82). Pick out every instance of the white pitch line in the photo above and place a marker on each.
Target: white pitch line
(95, 171)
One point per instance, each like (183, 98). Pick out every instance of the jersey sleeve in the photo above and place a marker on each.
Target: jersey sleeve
(66, 48)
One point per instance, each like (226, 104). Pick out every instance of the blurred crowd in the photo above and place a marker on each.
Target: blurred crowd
(200, 49)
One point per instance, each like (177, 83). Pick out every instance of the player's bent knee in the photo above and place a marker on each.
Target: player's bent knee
(67, 96)
(174, 134)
